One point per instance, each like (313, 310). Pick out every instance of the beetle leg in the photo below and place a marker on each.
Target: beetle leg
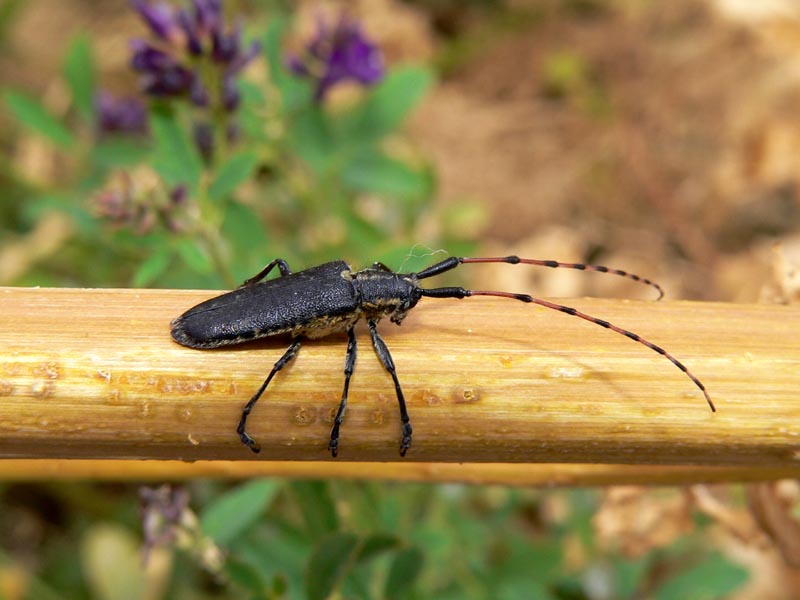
(290, 353)
(381, 267)
(283, 267)
(383, 354)
(349, 366)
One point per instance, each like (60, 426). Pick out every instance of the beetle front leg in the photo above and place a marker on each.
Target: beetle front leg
(349, 366)
(290, 353)
(383, 354)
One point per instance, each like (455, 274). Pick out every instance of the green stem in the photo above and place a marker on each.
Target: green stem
(216, 250)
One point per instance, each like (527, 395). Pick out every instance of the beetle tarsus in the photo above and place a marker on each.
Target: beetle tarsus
(405, 444)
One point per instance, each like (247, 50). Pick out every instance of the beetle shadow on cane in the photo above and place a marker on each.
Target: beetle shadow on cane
(570, 362)
(271, 348)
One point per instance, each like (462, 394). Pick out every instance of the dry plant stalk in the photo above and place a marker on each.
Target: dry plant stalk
(513, 474)
(93, 374)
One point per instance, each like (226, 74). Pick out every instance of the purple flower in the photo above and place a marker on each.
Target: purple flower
(208, 15)
(203, 134)
(186, 24)
(159, 17)
(119, 115)
(186, 40)
(230, 94)
(193, 55)
(225, 47)
(163, 76)
(337, 55)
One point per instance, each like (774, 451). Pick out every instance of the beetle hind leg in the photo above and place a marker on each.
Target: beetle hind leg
(386, 359)
(282, 265)
(248, 441)
(349, 366)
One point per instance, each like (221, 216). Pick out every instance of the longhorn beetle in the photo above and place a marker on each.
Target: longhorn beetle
(332, 297)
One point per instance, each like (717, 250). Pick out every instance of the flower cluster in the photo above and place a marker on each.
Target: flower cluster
(126, 204)
(193, 54)
(168, 521)
(163, 512)
(336, 55)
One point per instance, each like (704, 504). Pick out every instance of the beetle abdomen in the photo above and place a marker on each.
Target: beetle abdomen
(313, 302)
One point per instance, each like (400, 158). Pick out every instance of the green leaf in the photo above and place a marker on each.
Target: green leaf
(152, 268)
(61, 201)
(242, 228)
(381, 174)
(252, 113)
(195, 258)
(119, 152)
(234, 512)
(314, 501)
(311, 137)
(273, 41)
(246, 576)
(175, 157)
(79, 72)
(234, 172)
(391, 101)
(248, 239)
(525, 589)
(628, 575)
(33, 115)
(362, 233)
(295, 93)
(405, 568)
(329, 564)
(716, 577)
(377, 544)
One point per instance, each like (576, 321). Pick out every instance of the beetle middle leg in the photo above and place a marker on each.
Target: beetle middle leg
(383, 354)
(248, 441)
(349, 366)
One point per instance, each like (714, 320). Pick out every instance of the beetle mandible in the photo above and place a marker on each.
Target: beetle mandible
(332, 297)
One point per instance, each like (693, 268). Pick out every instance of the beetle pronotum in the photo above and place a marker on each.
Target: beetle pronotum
(332, 297)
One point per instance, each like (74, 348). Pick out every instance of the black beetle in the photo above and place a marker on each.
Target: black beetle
(332, 297)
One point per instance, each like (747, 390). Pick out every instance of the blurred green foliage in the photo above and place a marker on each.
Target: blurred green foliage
(316, 540)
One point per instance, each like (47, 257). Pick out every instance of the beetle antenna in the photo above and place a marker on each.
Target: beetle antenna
(553, 264)
(458, 292)
(454, 261)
